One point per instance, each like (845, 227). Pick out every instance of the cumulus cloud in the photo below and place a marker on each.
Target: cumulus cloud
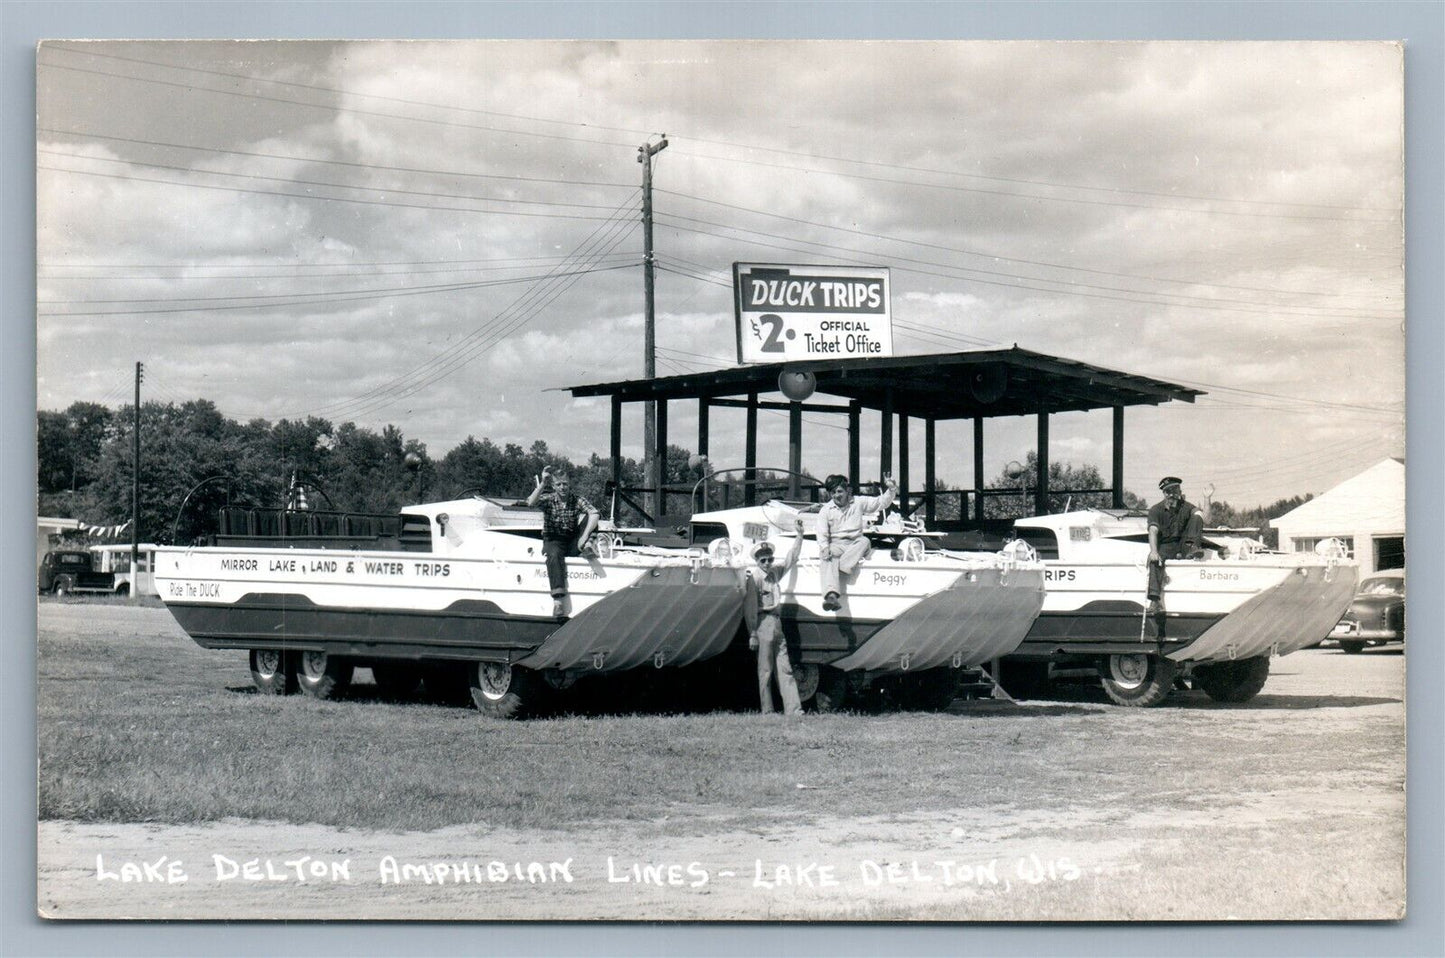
(402, 217)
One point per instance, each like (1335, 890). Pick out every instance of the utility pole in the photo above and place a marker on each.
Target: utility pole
(135, 491)
(653, 468)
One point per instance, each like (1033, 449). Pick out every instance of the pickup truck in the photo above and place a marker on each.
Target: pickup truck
(72, 570)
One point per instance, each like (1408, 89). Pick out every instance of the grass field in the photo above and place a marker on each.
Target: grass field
(1291, 806)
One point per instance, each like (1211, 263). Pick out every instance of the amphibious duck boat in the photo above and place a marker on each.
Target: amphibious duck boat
(456, 592)
(1224, 614)
(913, 614)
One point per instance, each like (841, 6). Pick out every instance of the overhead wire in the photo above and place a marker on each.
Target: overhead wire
(1394, 217)
(351, 270)
(956, 173)
(1190, 302)
(297, 181)
(308, 299)
(512, 317)
(995, 256)
(351, 164)
(431, 207)
(357, 111)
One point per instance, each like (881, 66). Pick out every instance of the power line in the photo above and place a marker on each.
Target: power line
(1394, 218)
(995, 256)
(312, 299)
(1198, 302)
(192, 88)
(872, 260)
(435, 262)
(293, 181)
(329, 199)
(475, 342)
(338, 91)
(419, 268)
(1027, 182)
(632, 131)
(320, 160)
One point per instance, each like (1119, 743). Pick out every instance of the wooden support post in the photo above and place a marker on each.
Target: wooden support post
(1118, 457)
(795, 449)
(702, 427)
(903, 465)
(855, 411)
(750, 452)
(661, 457)
(885, 453)
(615, 450)
(1041, 493)
(930, 474)
(978, 467)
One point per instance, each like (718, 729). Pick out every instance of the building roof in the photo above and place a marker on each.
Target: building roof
(994, 382)
(1373, 499)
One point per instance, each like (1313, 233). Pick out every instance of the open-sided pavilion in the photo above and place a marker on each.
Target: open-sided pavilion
(977, 385)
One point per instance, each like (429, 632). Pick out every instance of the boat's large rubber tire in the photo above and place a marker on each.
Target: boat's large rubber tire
(1237, 681)
(1138, 679)
(273, 671)
(833, 693)
(507, 691)
(1349, 647)
(323, 676)
(931, 690)
(397, 680)
(448, 683)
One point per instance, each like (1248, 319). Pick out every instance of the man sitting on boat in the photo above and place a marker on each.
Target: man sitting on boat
(762, 611)
(841, 543)
(562, 512)
(1176, 531)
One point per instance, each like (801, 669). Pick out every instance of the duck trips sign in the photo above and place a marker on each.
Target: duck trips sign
(811, 312)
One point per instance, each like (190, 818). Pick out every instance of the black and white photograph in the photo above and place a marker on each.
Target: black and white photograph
(721, 480)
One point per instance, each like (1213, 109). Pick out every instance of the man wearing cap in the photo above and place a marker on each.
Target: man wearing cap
(841, 542)
(762, 612)
(1176, 531)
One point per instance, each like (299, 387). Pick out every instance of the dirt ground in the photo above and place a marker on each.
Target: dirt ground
(1322, 850)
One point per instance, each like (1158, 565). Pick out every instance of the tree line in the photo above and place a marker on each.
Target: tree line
(85, 469)
(85, 466)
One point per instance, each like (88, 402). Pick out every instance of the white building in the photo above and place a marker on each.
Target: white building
(1366, 511)
(48, 532)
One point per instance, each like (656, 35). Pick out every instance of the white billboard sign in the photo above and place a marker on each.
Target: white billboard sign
(811, 312)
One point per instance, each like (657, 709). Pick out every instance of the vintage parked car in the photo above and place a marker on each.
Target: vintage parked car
(1377, 615)
(72, 570)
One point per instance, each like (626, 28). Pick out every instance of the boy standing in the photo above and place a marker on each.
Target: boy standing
(762, 612)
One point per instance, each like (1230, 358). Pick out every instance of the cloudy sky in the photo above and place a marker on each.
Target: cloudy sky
(443, 235)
